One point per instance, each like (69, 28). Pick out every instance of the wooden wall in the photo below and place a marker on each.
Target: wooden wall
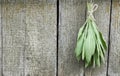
(38, 37)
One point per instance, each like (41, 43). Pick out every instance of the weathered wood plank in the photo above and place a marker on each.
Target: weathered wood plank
(40, 1)
(72, 16)
(114, 56)
(13, 22)
(12, 1)
(0, 42)
(40, 52)
(102, 16)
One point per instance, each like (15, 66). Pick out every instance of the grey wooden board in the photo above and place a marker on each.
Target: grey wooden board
(13, 18)
(114, 57)
(0, 42)
(12, 1)
(29, 37)
(72, 17)
(102, 16)
(40, 1)
(40, 51)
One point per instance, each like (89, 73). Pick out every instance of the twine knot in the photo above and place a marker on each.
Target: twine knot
(92, 10)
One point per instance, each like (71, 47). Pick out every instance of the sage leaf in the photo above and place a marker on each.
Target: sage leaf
(79, 46)
(103, 41)
(89, 45)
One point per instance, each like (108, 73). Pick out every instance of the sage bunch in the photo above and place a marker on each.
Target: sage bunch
(91, 45)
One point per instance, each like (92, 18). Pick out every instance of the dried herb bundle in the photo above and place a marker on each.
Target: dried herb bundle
(91, 45)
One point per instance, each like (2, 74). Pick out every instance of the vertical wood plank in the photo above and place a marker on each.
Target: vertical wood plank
(40, 52)
(72, 17)
(13, 22)
(114, 56)
(102, 16)
(0, 41)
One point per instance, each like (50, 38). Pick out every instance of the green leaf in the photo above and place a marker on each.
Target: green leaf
(98, 49)
(78, 57)
(99, 36)
(85, 35)
(89, 44)
(103, 41)
(83, 54)
(80, 32)
(79, 46)
(94, 26)
(98, 61)
(86, 64)
(95, 58)
(102, 56)
(102, 48)
(93, 61)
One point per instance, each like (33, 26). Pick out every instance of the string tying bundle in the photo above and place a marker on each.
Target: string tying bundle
(91, 9)
(90, 45)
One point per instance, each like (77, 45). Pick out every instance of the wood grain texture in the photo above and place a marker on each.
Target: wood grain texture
(72, 17)
(12, 1)
(13, 22)
(0, 41)
(29, 35)
(114, 56)
(102, 16)
(40, 51)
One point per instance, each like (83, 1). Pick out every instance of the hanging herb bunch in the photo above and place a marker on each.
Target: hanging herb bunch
(91, 45)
